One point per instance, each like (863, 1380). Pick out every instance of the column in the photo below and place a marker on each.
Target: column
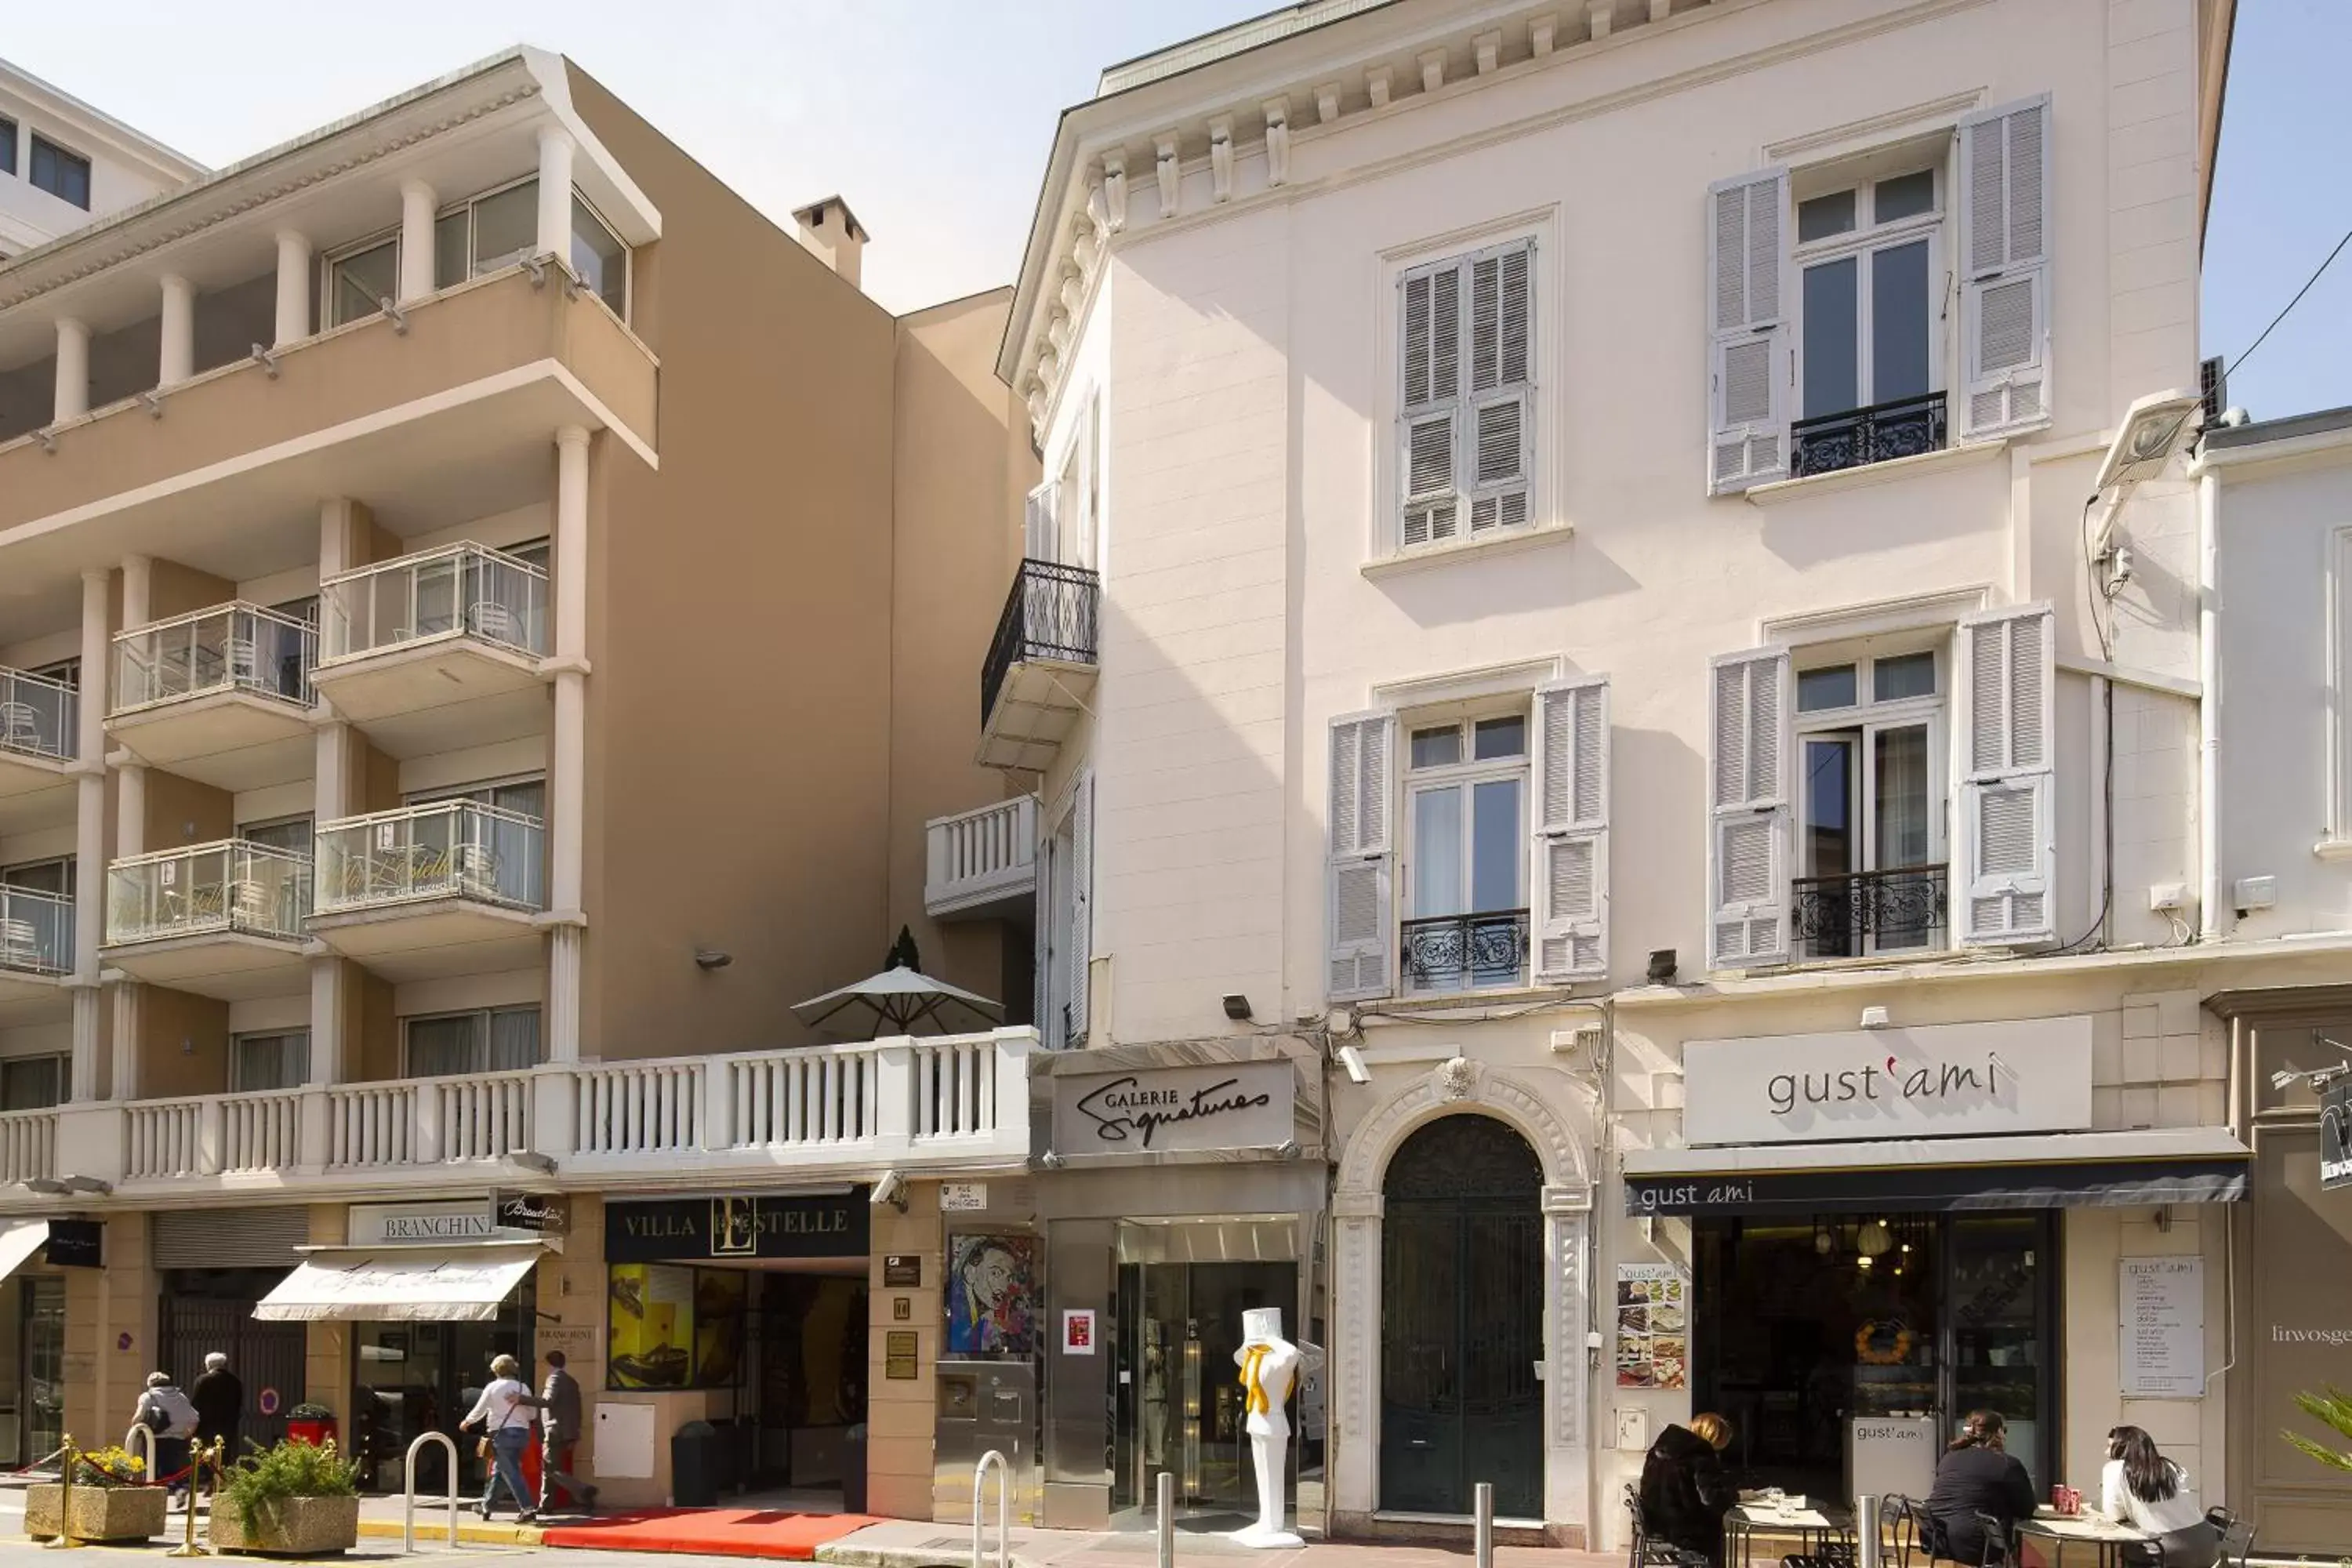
(178, 360)
(293, 289)
(73, 369)
(335, 797)
(129, 839)
(90, 837)
(417, 205)
(555, 194)
(567, 775)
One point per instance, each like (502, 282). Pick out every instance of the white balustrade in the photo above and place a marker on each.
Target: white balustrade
(981, 857)
(260, 1131)
(456, 591)
(228, 885)
(163, 1139)
(39, 715)
(29, 1145)
(639, 1108)
(955, 1086)
(372, 1125)
(229, 647)
(444, 849)
(821, 1095)
(481, 1118)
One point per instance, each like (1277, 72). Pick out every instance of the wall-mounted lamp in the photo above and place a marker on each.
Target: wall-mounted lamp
(1875, 1018)
(1663, 963)
(710, 958)
(1237, 1009)
(1351, 1061)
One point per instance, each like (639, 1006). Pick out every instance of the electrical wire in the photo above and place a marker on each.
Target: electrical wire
(2291, 304)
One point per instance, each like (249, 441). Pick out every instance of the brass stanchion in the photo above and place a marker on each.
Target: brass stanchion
(196, 1458)
(64, 1536)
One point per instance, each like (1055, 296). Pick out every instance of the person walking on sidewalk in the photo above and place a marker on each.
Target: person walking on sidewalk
(561, 1428)
(505, 1411)
(219, 1396)
(171, 1418)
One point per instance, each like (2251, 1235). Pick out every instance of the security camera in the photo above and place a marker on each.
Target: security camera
(1353, 1061)
(890, 1190)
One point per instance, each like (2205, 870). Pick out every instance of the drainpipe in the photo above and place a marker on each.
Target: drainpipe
(2209, 708)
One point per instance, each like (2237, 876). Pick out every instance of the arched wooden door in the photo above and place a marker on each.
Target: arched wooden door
(1461, 1293)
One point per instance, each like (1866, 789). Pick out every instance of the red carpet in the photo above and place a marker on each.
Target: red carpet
(717, 1532)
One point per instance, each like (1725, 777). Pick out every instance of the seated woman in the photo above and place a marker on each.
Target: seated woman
(1977, 1475)
(2141, 1488)
(1684, 1493)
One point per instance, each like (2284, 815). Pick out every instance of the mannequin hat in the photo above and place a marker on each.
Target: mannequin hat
(1261, 1323)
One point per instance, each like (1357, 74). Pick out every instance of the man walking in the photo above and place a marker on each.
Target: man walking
(219, 1397)
(560, 1423)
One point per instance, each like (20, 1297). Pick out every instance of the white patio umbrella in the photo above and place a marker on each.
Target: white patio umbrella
(894, 1002)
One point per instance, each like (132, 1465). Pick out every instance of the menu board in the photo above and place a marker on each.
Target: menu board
(1653, 1326)
(2162, 1304)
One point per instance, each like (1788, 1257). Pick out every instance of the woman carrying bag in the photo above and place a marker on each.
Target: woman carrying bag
(507, 1412)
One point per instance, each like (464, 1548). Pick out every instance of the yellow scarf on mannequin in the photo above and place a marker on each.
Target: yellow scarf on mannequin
(1258, 1403)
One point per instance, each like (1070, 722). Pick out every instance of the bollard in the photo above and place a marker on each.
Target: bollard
(64, 1536)
(196, 1456)
(1167, 1523)
(1865, 1530)
(1482, 1540)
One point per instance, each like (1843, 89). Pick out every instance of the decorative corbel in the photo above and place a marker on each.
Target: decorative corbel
(1086, 242)
(1376, 82)
(1114, 189)
(1057, 331)
(1171, 175)
(1221, 158)
(1432, 69)
(1326, 102)
(1097, 213)
(1277, 141)
(1034, 401)
(1602, 13)
(1540, 35)
(1074, 288)
(1049, 369)
(1489, 48)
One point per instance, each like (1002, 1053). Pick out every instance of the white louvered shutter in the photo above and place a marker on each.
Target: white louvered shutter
(1361, 933)
(1748, 811)
(1042, 945)
(1570, 876)
(1037, 541)
(2004, 204)
(2008, 831)
(1086, 488)
(1747, 355)
(1428, 455)
(1499, 445)
(1082, 902)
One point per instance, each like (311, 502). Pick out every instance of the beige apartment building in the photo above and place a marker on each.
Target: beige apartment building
(434, 555)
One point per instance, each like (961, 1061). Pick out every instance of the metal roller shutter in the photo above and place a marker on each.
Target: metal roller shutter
(230, 1238)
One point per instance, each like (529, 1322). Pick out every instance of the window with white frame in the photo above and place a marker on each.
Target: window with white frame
(473, 239)
(32, 1083)
(1870, 813)
(1063, 514)
(262, 1062)
(495, 1039)
(1465, 421)
(360, 279)
(1466, 860)
(1869, 278)
(1065, 922)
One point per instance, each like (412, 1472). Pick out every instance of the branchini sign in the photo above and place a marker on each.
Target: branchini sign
(2026, 1075)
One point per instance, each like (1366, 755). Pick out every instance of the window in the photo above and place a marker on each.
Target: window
(36, 916)
(500, 227)
(32, 1083)
(500, 855)
(7, 146)
(499, 1040)
(1465, 921)
(360, 280)
(41, 877)
(600, 259)
(258, 1064)
(1871, 872)
(1870, 281)
(291, 834)
(1064, 932)
(1466, 429)
(65, 175)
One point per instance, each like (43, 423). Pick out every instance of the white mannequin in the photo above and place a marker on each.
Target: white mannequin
(1275, 1370)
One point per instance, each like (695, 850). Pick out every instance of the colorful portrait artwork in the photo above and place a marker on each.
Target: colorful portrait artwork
(992, 1295)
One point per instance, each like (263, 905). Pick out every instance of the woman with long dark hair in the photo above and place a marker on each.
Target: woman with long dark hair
(2141, 1488)
(1977, 1475)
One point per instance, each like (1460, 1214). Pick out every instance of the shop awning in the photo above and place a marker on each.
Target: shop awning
(19, 1242)
(400, 1284)
(2074, 1170)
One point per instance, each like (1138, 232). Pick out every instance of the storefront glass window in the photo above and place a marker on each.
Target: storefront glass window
(675, 1327)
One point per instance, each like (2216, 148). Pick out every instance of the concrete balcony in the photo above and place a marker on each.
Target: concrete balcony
(39, 719)
(37, 944)
(427, 892)
(982, 864)
(28, 1147)
(221, 696)
(221, 920)
(1041, 666)
(437, 651)
(937, 1106)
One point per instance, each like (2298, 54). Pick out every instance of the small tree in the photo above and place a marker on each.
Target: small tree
(2333, 1410)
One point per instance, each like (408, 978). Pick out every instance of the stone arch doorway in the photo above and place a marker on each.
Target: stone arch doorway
(1462, 1329)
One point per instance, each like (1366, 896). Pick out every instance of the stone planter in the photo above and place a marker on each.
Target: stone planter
(100, 1513)
(299, 1527)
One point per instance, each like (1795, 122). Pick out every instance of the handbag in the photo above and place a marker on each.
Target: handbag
(482, 1449)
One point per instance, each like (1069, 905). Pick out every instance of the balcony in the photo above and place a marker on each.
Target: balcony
(39, 721)
(221, 696)
(1906, 428)
(435, 651)
(1869, 913)
(1465, 953)
(1041, 666)
(451, 888)
(37, 944)
(221, 920)
(953, 1103)
(982, 864)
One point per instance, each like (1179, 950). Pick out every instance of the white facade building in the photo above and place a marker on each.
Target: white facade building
(63, 164)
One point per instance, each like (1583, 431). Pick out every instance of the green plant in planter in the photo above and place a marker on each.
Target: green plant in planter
(258, 1484)
(2332, 1410)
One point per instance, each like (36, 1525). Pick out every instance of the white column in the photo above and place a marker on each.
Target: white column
(555, 194)
(572, 543)
(73, 369)
(417, 205)
(567, 780)
(293, 287)
(332, 797)
(129, 839)
(329, 1051)
(124, 1084)
(178, 360)
(90, 837)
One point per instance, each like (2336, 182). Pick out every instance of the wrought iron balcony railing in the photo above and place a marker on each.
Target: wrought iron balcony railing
(1051, 614)
(1466, 953)
(1869, 912)
(1902, 428)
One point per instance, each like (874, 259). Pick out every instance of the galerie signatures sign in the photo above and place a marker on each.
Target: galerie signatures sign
(2028, 1075)
(1219, 1105)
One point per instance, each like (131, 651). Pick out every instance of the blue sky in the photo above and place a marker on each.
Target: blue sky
(934, 118)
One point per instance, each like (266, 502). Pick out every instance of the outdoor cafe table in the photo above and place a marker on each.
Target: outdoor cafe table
(1812, 1527)
(2107, 1537)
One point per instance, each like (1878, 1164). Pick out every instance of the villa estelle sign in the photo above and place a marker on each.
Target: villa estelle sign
(1945, 1080)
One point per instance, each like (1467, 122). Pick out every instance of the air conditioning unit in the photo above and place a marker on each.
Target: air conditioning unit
(2214, 389)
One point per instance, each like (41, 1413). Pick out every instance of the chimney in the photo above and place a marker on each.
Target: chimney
(833, 236)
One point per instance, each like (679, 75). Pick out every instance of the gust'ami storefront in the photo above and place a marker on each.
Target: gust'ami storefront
(1845, 1241)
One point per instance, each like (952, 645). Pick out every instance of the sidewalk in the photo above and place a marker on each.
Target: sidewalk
(914, 1543)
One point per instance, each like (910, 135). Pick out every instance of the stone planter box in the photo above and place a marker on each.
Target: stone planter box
(302, 1527)
(100, 1513)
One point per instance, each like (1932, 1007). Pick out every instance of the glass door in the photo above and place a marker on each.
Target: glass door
(398, 1373)
(1179, 1383)
(2000, 1318)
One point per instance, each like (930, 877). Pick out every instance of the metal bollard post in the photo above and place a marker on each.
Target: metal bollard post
(1866, 1530)
(188, 1547)
(64, 1536)
(1482, 1547)
(1167, 1523)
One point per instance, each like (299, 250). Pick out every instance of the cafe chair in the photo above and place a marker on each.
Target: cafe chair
(2237, 1538)
(1899, 1538)
(1998, 1551)
(1649, 1553)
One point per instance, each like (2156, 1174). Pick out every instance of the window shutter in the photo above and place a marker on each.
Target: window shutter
(1570, 876)
(1501, 438)
(1748, 361)
(2005, 251)
(1083, 541)
(1361, 931)
(1082, 903)
(2008, 831)
(1037, 524)
(1041, 954)
(1748, 811)
(1429, 444)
